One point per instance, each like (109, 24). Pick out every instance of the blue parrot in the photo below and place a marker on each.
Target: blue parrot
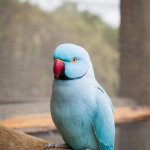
(80, 108)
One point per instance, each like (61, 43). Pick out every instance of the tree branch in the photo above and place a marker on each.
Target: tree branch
(11, 139)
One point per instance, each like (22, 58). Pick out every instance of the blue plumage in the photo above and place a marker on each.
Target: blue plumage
(80, 108)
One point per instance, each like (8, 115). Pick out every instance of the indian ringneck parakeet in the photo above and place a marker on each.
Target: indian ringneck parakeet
(80, 108)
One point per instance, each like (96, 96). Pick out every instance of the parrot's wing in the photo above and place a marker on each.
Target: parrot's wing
(107, 97)
(103, 122)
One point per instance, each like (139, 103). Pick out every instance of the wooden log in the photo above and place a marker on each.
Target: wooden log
(127, 114)
(43, 122)
(30, 123)
(11, 139)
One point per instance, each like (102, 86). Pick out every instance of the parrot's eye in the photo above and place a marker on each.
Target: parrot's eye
(74, 60)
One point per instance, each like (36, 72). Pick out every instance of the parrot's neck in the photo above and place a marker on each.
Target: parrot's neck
(90, 72)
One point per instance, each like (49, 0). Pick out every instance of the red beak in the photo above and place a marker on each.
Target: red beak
(58, 67)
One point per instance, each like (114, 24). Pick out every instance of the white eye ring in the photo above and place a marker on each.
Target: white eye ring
(74, 60)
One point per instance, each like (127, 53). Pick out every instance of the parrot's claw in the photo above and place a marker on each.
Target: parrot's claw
(49, 146)
(56, 146)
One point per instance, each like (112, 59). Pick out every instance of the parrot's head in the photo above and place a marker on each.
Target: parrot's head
(70, 62)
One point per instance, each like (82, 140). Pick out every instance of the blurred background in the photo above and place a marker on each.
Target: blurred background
(116, 35)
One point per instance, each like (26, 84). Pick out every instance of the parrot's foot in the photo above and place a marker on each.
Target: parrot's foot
(65, 146)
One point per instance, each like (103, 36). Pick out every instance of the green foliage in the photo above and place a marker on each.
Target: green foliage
(29, 36)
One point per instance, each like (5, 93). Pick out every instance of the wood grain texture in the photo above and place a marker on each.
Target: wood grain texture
(14, 140)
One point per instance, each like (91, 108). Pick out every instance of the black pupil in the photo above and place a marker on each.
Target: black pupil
(74, 59)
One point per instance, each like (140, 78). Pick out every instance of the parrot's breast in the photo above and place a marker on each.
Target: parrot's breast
(72, 106)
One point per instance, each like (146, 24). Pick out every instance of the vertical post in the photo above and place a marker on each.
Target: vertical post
(135, 50)
(135, 68)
